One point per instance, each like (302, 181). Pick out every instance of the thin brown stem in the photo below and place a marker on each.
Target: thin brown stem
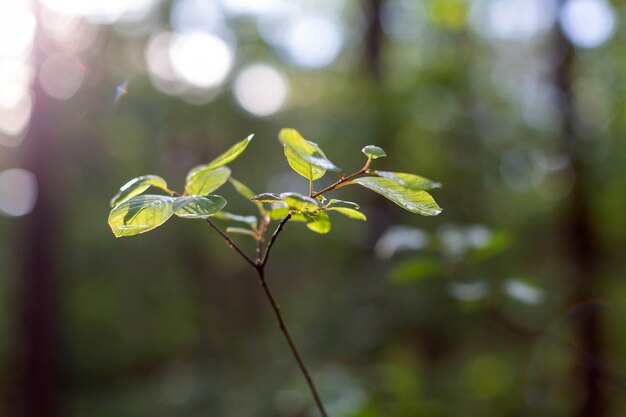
(261, 235)
(342, 181)
(261, 261)
(230, 243)
(259, 266)
(285, 332)
(367, 164)
(281, 225)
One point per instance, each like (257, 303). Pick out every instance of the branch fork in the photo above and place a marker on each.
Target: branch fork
(262, 257)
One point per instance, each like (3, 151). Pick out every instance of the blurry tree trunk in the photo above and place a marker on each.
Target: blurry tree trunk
(39, 322)
(373, 37)
(382, 129)
(580, 239)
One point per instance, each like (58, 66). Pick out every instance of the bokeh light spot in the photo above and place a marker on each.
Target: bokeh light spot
(524, 292)
(251, 7)
(15, 79)
(18, 192)
(99, 11)
(513, 20)
(17, 28)
(159, 64)
(195, 15)
(14, 119)
(468, 291)
(313, 41)
(201, 59)
(588, 23)
(61, 76)
(260, 89)
(400, 238)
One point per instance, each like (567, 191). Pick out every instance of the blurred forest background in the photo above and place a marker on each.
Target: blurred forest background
(512, 302)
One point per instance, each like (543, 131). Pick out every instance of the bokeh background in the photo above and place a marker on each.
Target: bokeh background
(512, 302)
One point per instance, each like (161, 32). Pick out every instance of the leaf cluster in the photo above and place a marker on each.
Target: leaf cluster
(133, 212)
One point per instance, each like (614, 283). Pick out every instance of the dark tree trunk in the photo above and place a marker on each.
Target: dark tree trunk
(39, 343)
(580, 239)
(373, 37)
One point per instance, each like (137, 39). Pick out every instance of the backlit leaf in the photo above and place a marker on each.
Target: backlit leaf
(223, 215)
(140, 214)
(302, 167)
(230, 154)
(137, 186)
(198, 207)
(414, 182)
(204, 181)
(342, 203)
(267, 198)
(351, 213)
(321, 225)
(246, 193)
(280, 213)
(415, 201)
(373, 152)
(300, 202)
(242, 189)
(305, 157)
(241, 231)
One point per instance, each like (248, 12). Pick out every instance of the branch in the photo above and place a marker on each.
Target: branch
(282, 223)
(230, 243)
(342, 181)
(285, 332)
(261, 236)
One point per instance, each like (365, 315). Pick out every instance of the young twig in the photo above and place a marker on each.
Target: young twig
(259, 265)
(281, 225)
(342, 181)
(261, 234)
(230, 243)
(292, 346)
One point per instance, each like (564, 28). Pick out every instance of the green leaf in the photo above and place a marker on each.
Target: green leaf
(351, 213)
(231, 154)
(241, 231)
(342, 203)
(266, 198)
(415, 201)
(280, 213)
(300, 202)
(222, 215)
(197, 207)
(242, 189)
(305, 157)
(246, 193)
(204, 181)
(309, 151)
(373, 152)
(321, 224)
(137, 186)
(414, 182)
(140, 214)
(302, 167)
